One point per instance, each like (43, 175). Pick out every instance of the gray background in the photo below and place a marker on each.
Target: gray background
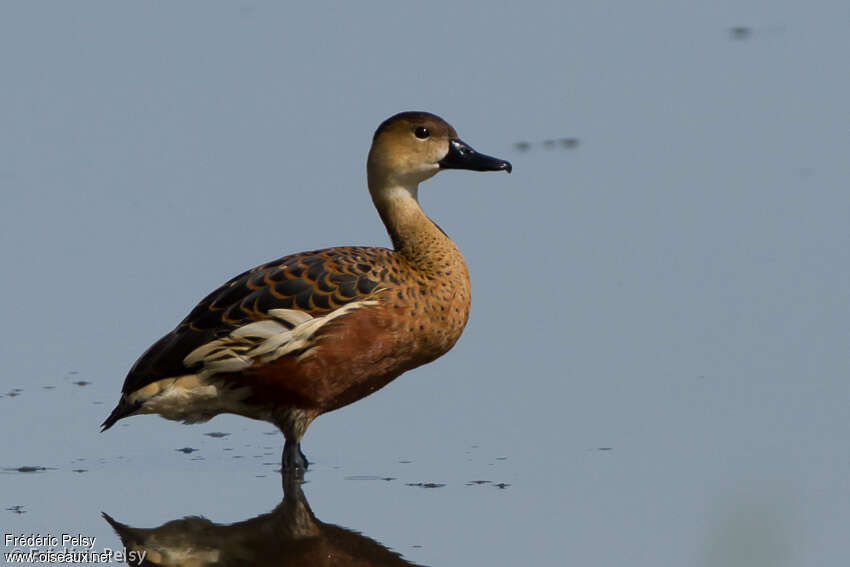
(676, 288)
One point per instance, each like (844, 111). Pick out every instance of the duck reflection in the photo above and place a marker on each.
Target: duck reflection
(288, 535)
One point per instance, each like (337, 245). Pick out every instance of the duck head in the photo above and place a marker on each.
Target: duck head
(410, 147)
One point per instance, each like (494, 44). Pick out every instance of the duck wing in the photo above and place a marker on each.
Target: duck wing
(284, 292)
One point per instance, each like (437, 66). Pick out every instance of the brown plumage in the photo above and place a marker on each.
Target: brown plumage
(315, 331)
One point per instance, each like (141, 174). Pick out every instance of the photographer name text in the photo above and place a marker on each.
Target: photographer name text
(48, 540)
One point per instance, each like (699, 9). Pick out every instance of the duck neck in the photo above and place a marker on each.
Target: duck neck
(413, 234)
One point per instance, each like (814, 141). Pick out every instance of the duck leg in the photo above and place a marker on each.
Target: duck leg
(293, 459)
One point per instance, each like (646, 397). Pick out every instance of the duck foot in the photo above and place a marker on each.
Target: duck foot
(293, 459)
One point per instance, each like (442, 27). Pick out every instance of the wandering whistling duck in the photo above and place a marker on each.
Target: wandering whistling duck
(309, 333)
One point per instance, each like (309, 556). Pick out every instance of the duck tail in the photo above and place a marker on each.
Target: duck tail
(122, 410)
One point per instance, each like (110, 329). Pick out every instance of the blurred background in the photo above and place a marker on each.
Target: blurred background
(655, 371)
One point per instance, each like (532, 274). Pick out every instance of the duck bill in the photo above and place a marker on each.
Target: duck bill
(462, 156)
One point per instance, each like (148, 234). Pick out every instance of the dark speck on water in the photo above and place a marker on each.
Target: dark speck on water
(501, 485)
(186, 450)
(501, 458)
(567, 143)
(216, 434)
(48, 387)
(425, 484)
(740, 32)
(405, 462)
(27, 469)
(270, 432)
(604, 448)
(82, 382)
(80, 470)
(17, 509)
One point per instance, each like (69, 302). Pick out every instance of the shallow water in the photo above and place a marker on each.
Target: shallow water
(655, 368)
(213, 492)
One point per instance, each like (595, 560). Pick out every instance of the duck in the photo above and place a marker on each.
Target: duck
(312, 332)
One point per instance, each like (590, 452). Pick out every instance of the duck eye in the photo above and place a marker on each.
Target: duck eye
(421, 132)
